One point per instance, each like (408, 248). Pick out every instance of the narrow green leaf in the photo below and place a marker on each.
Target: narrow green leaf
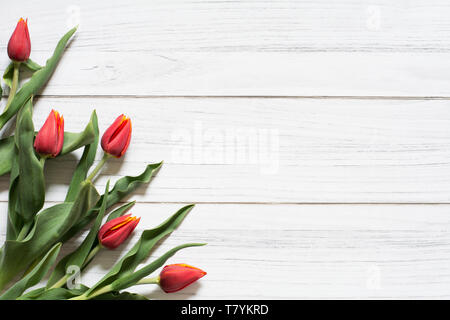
(72, 141)
(53, 294)
(33, 277)
(31, 185)
(8, 74)
(15, 222)
(131, 279)
(78, 257)
(50, 224)
(6, 154)
(36, 82)
(30, 65)
(142, 248)
(86, 161)
(123, 187)
(120, 211)
(124, 295)
(89, 135)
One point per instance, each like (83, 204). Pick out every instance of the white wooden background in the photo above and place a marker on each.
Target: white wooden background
(313, 135)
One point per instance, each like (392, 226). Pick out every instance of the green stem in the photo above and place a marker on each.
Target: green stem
(42, 160)
(154, 280)
(15, 82)
(24, 231)
(98, 292)
(91, 255)
(98, 167)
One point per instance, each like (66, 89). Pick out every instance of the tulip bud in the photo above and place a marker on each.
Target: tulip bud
(117, 137)
(116, 231)
(19, 46)
(50, 138)
(175, 277)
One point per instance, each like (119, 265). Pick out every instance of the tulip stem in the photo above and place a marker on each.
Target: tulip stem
(98, 292)
(91, 255)
(15, 82)
(98, 167)
(154, 280)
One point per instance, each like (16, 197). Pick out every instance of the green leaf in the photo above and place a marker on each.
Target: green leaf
(29, 65)
(78, 257)
(31, 184)
(50, 224)
(124, 295)
(33, 277)
(120, 211)
(142, 248)
(73, 141)
(6, 154)
(132, 279)
(53, 294)
(15, 223)
(121, 189)
(8, 74)
(87, 159)
(36, 82)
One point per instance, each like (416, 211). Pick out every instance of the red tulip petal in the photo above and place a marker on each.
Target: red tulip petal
(46, 141)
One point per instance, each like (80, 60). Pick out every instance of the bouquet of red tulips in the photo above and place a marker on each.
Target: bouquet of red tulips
(35, 235)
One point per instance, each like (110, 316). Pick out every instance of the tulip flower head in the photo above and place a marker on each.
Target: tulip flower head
(117, 137)
(19, 45)
(116, 231)
(175, 277)
(50, 138)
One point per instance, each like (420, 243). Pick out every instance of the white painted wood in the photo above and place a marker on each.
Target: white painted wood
(312, 150)
(301, 251)
(263, 240)
(379, 74)
(249, 25)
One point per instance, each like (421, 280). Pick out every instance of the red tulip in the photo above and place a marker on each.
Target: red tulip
(116, 231)
(19, 46)
(50, 138)
(117, 137)
(175, 277)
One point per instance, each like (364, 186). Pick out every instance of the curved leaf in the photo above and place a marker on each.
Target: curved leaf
(78, 257)
(132, 279)
(124, 295)
(122, 188)
(6, 154)
(89, 135)
(87, 159)
(34, 276)
(50, 224)
(29, 65)
(36, 82)
(31, 184)
(53, 294)
(142, 248)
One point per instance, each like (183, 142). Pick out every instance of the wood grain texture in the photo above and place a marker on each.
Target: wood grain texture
(298, 74)
(301, 251)
(293, 151)
(313, 134)
(217, 25)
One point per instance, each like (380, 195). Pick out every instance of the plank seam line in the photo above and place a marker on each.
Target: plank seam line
(318, 97)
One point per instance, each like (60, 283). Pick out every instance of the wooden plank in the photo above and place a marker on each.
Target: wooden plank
(248, 73)
(219, 25)
(270, 150)
(307, 251)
